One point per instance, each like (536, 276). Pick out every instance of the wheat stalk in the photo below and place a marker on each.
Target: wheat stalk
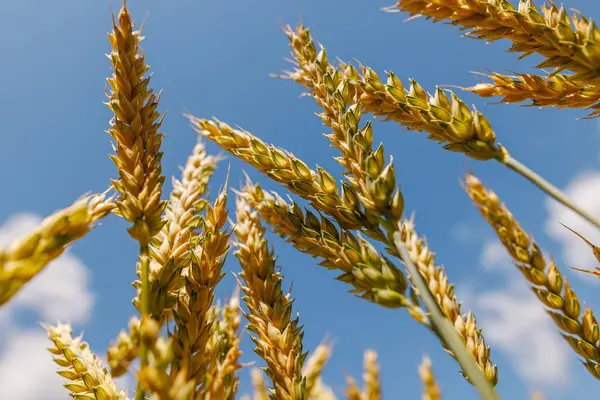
(431, 390)
(83, 370)
(23, 259)
(278, 336)
(545, 279)
(565, 43)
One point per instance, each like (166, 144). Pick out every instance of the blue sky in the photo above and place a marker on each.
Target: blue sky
(214, 59)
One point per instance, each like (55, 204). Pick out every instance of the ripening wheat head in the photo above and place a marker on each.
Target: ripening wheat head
(27, 256)
(134, 129)
(170, 248)
(277, 334)
(192, 314)
(551, 288)
(83, 370)
(448, 121)
(565, 43)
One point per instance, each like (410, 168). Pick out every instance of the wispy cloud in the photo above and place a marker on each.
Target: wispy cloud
(515, 323)
(60, 292)
(585, 191)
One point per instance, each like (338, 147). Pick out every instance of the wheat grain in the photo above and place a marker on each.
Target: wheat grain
(565, 43)
(581, 331)
(86, 377)
(278, 335)
(431, 390)
(23, 259)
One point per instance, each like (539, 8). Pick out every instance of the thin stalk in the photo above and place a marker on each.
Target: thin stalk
(445, 329)
(144, 308)
(547, 187)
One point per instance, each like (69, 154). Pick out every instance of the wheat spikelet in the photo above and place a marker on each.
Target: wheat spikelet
(126, 348)
(313, 368)
(278, 336)
(223, 350)
(447, 121)
(431, 390)
(192, 317)
(27, 256)
(372, 275)
(134, 128)
(553, 290)
(170, 248)
(565, 43)
(87, 378)
(443, 290)
(558, 91)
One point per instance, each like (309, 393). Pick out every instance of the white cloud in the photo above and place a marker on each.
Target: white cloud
(26, 368)
(60, 292)
(585, 191)
(466, 233)
(515, 323)
(495, 257)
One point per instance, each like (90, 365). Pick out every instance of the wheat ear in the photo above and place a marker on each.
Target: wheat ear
(224, 350)
(134, 128)
(191, 316)
(546, 281)
(277, 334)
(431, 390)
(125, 349)
(259, 384)
(558, 91)
(449, 122)
(313, 368)
(26, 257)
(86, 377)
(564, 43)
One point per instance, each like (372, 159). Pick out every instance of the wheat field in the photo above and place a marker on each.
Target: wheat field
(254, 211)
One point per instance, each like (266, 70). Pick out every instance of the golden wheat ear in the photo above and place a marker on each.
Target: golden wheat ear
(431, 389)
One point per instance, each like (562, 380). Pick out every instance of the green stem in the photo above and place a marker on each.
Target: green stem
(445, 329)
(547, 187)
(144, 310)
